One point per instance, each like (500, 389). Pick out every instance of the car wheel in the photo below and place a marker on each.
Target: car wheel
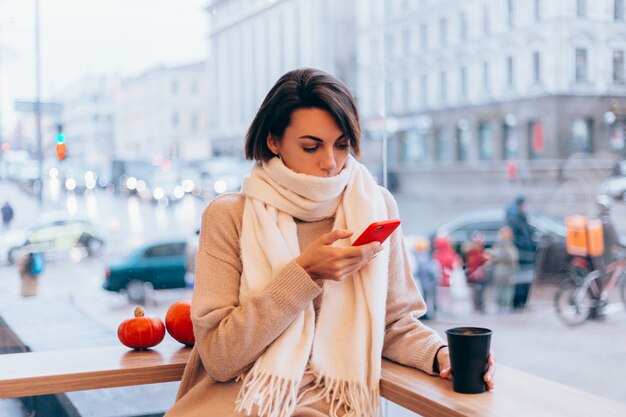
(93, 246)
(12, 255)
(137, 290)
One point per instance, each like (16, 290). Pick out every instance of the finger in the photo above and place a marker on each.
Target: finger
(489, 376)
(366, 251)
(331, 237)
(446, 373)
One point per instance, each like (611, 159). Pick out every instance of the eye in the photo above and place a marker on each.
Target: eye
(310, 149)
(344, 145)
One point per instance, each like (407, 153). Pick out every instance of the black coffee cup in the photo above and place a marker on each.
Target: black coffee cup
(469, 351)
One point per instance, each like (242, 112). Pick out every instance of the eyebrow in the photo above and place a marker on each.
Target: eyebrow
(315, 138)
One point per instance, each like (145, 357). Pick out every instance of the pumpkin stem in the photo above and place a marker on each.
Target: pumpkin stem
(139, 312)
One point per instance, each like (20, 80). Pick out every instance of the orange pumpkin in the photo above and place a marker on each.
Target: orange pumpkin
(141, 332)
(178, 322)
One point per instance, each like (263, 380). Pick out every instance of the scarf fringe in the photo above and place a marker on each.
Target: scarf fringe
(354, 397)
(274, 395)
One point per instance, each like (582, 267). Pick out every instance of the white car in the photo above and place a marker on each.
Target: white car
(53, 233)
(615, 187)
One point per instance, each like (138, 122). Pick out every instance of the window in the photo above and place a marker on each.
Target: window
(463, 82)
(424, 36)
(166, 250)
(463, 25)
(174, 87)
(535, 139)
(581, 139)
(443, 87)
(510, 72)
(193, 89)
(510, 143)
(618, 10)
(406, 42)
(174, 119)
(424, 90)
(486, 78)
(510, 13)
(537, 10)
(443, 31)
(486, 21)
(406, 90)
(581, 8)
(618, 66)
(536, 67)
(194, 122)
(463, 140)
(485, 141)
(443, 145)
(581, 65)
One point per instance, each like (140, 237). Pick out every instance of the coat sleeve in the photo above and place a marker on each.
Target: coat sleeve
(407, 340)
(231, 335)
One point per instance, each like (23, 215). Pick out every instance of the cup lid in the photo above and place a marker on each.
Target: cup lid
(469, 331)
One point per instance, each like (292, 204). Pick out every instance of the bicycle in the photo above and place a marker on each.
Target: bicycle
(583, 296)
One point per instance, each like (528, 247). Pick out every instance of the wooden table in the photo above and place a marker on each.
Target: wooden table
(517, 393)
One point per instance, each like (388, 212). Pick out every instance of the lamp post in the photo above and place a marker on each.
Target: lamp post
(38, 100)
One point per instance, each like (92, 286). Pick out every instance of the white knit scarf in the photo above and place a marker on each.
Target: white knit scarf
(343, 348)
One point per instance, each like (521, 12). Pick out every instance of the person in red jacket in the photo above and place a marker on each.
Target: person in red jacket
(446, 256)
(475, 269)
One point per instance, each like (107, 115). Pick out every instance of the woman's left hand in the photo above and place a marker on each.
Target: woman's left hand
(443, 359)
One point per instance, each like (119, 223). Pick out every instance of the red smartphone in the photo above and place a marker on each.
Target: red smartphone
(377, 231)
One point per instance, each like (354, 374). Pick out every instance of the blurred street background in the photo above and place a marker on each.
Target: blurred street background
(121, 120)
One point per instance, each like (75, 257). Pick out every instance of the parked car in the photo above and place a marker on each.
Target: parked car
(552, 258)
(53, 234)
(155, 265)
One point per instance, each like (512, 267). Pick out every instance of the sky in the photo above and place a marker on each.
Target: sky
(94, 37)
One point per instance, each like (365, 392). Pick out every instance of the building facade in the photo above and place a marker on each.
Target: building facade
(479, 82)
(87, 120)
(253, 42)
(162, 114)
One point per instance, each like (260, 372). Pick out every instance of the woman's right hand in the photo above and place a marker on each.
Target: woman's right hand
(322, 260)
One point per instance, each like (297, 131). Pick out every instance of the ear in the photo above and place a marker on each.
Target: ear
(272, 144)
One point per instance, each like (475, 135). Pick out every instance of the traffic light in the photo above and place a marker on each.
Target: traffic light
(60, 146)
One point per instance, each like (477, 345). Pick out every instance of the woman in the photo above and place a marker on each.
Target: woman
(290, 320)
(505, 260)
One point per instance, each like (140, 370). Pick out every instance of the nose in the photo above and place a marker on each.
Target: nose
(328, 162)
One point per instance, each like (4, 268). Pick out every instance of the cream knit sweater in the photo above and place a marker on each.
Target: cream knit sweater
(230, 336)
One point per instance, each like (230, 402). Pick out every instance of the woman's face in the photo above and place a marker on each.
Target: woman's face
(312, 144)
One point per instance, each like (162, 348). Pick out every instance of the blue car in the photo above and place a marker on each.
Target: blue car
(155, 265)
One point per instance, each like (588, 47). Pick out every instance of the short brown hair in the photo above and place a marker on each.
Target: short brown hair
(298, 89)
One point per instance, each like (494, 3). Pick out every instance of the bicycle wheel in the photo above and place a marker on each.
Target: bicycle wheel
(573, 303)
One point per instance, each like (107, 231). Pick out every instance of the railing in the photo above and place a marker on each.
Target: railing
(517, 393)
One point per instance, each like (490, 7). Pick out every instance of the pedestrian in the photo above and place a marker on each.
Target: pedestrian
(450, 264)
(504, 258)
(7, 215)
(613, 249)
(517, 220)
(427, 273)
(447, 258)
(476, 270)
(30, 265)
(289, 318)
